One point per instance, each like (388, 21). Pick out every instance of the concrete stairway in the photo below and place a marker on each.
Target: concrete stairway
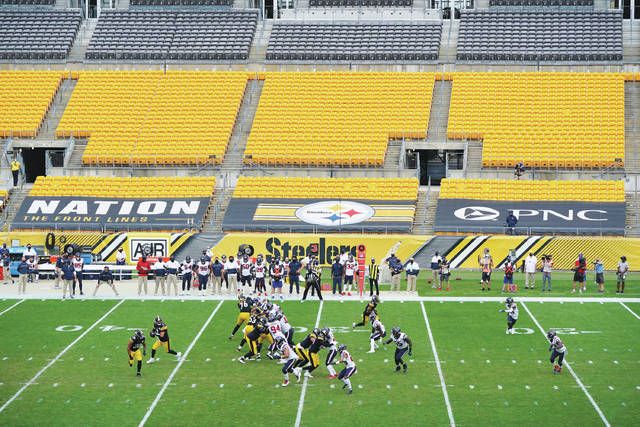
(233, 159)
(48, 129)
(632, 127)
(75, 161)
(122, 4)
(432, 205)
(439, 116)
(16, 197)
(474, 157)
(632, 220)
(258, 50)
(392, 158)
(420, 217)
(217, 210)
(83, 38)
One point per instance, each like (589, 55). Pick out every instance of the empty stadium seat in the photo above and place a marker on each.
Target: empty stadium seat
(337, 119)
(354, 41)
(148, 118)
(537, 35)
(540, 3)
(546, 120)
(181, 2)
(37, 34)
(360, 3)
(25, 98)
(329, 188)
(168, 35)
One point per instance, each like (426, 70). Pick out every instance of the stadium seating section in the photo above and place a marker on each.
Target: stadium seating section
(360, 3)
(536, 35)
(37, 34)
(147, 187)
(180, 35)
(354, 41)
(541, 3)
(546, 120)
(512, 190)
(337, 119)
(181, 2)
(145, 118)
(25, 98)
(27, 2)
(329, 188)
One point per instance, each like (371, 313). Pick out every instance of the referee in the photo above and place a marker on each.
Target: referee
(374, 274)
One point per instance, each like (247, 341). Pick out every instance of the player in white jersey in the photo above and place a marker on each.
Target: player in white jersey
(260, 272)
(78, 266)
(273, 326)
(558, 351)
(511, 308)
(203, 267)
(378, 331)
(332, 353)
(350, 270)
(186, 269)
(289, 357)
(403, 346)
(349, 368)
(285, 327)
(246, 272)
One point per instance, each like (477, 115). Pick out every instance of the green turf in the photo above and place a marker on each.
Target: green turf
(6, 303)
(492, 378)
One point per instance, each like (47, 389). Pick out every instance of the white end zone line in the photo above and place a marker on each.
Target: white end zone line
(306, 380)
(20, 302)
(623, 304)
(55, 359)
(438, 367)
(175, 370)
(575, 376)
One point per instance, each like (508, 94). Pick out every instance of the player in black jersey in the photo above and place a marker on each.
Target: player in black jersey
(245, 305)
(253, 337)
(314, 348)
(161, 333)
(136, 348)
(370, 308)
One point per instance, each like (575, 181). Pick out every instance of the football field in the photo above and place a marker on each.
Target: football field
(65, 363)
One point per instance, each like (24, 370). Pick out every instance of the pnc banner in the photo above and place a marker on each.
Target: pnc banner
(93, 213)
(490, 216)
(316, 214)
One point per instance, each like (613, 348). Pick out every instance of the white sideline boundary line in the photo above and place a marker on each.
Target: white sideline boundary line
(306, 380)
(452, 422)
(621, 303)
(55, 359)
(175, 370)
(16, 304)
(575, 376)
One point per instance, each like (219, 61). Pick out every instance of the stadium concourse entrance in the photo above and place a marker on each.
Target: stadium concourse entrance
(434, 164)
(36, 160)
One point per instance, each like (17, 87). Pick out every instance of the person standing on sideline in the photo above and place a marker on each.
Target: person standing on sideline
(294, 275)
(579, 274)
(216, 276)
(530, 271)
(23, 273)
(231, 271)
(486, 265)
(445, 274)
(143, 267)
(436, 259)
(598, 268)
(547, 266)
(78, 266)
(512, 221)
(121, 257)
(337, 270)
(172, 267)
(373, 271)
(105, 277)
(15, 171)
(33, 270)
(68, 278)
(30, 252)
(623, 269)
(395, 265)
(313, 278)
(186, 268)
(412, 269)
(5, 261)
(159, 276)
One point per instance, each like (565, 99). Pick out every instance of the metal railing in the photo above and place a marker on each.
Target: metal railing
(531, 231)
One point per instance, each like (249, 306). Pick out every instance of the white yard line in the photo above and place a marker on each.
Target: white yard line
(175, 370)
(55, 359)
(621, 303)
(305, 383)
(16, 304)
(575, 376)
(438, 366)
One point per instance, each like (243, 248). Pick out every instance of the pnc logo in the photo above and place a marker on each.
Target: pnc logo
(477, 213)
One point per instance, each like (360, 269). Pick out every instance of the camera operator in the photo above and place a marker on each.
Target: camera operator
(547, 266)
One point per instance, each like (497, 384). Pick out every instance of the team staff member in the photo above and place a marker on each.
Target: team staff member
(161, 333)
(623, 269)
(231, 268)
(121, 257)
(294, 275)
(136, 348)
(396, 272)
(143, 267)
(216, 276)
(486, 265)
(172, 267)
(413, 269)
(68, 277)
(15, 171)
(23, 273)
(6, 262)
(312, 280)
(374, 274)
(58, 271)
(106, 277)
(337, 271)
(159, 274)
(436, 260)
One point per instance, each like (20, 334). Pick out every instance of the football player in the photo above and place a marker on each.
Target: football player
(349, 368)
(286, 328)
(161, 334)
(246, 272)
(273, 325)
(244, 304)
(403, 346)
(557, 349)
(204, 270)
(511, 308)
(289, 357)
(378, 332)
(276, 272)
(260, 271)
(303, 351)
(350, 270)
(253, 338)
(136, 348)
(332, 353)
(370, 308)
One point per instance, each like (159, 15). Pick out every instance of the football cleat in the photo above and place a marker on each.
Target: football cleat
(285, 383)
(307, 374)
(332, 377)
(242, 360)
(179, 356)
(350, 391)
(138, 374)
(296, 372)
(150, 361)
